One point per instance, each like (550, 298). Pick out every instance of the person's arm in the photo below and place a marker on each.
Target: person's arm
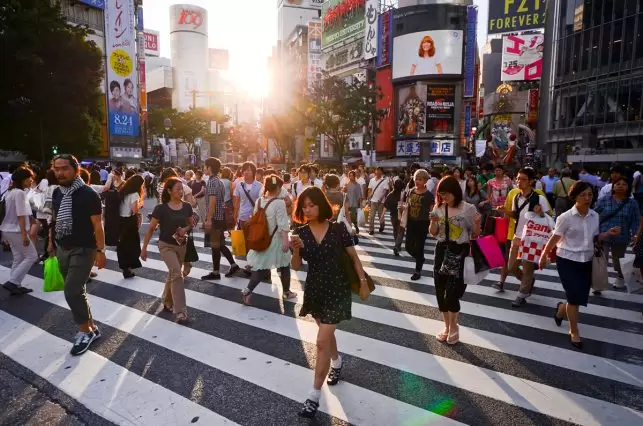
(148, 236)
(22, 223)
(108, 183)
(97, 223)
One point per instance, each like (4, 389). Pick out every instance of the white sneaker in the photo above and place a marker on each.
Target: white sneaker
(619, 284)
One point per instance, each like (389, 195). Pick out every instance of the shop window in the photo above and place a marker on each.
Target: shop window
(587, 51)
(596, 44)
(634, 102)
(576, 53)
(619, 9)
(617, 43)
(608, 7)
(567, 58)
(639, 37)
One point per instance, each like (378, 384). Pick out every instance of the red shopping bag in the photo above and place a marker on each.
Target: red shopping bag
(501, 229)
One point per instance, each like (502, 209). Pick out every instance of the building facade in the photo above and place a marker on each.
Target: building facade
(596, 111)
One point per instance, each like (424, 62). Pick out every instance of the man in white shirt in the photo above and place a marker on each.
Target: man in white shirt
(377, 190)
(314, 172)
(344, 179)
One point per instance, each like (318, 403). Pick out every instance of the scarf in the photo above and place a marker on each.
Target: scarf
(64, 219)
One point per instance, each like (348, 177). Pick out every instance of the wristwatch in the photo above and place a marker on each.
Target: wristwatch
(100, 250)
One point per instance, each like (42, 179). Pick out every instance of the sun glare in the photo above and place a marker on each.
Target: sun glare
(250, 75)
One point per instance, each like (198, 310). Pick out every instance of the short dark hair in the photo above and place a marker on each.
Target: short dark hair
(529, 172)
(127, 81)
(113, 85)
(578, 187)
(617, 168)
(214, 164)
(19, 175)
(488, 167)
(304, 168)
(249, 165)
(317, 197)
(331, 181)
(167, 174)
(226, 173)
(73, 161)
(499, 166)
(449, 184)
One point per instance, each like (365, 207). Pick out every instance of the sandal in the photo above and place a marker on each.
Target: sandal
(289, 295)
(182, 318)
(246, 295)
(454, 338)
(167, 308)
(442, 336)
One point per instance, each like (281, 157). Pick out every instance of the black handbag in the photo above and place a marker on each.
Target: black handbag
(191, 255)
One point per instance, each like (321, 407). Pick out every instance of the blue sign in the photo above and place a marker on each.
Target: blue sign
(467, 120)
(139, 19)
(470, 52)
(123, 123)
(442, 148)
(99, 4)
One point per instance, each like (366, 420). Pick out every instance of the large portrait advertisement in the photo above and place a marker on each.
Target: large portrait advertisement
(411, 112)
(428, 53)
(440, 109)
(122, 83)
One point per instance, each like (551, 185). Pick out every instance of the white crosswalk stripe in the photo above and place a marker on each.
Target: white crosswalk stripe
(235, 364)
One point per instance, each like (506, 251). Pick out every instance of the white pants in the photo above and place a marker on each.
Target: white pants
(23, 256)
(202, 207)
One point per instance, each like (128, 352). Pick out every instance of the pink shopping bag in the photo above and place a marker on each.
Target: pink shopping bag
(491, 251)
(501, 229)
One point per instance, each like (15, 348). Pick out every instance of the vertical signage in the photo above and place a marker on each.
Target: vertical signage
(152, 47)
(467, 121)
(533, 105)
(314, 51)
(370, 29)
(385, 39)
(470, 51)
(120, 31)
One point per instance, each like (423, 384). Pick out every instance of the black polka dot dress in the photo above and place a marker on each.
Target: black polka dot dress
(327, 295)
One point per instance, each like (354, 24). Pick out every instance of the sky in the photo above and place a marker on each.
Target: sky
(244, 26)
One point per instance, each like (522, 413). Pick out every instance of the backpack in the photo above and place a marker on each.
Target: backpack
(3, 206)
(255, 230)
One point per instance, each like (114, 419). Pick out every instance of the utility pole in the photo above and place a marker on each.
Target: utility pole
(194, 99)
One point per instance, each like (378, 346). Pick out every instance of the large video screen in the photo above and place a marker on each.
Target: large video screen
(428, 53)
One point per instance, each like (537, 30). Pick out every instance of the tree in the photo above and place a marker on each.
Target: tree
(50, 87)
(244, 139)
(338, 108)
(282, 128)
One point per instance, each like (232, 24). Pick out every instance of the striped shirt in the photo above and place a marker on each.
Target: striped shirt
(215, 189)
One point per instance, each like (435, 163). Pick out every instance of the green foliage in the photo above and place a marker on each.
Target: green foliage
(338, 108)
(187, 126)
(244, 139)
(50, 85)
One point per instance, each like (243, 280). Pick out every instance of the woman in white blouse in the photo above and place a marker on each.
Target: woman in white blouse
(573, 237)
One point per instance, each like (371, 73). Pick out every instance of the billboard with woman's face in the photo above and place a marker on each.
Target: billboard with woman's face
(428, 53)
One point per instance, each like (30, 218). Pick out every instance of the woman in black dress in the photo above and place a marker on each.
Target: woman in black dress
(128, 248)
(327, 293)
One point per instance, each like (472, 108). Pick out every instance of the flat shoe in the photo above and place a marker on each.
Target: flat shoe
(453, 338)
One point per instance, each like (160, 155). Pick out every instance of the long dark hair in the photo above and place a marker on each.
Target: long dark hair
(132, 185)
(476, 190)
(167, 188)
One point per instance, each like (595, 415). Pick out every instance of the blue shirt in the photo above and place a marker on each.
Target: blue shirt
(245, 206)
(549, 183)
(103, 175)
(628, 218)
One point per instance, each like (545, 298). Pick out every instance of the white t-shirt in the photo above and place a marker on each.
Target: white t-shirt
(343, 181)
(125, 208)
(542, 200)
(379, 194)
(298, 187)
(318, 183)
(16, 205)
(427, 65)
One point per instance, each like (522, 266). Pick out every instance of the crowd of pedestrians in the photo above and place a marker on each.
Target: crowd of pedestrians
(314, 216)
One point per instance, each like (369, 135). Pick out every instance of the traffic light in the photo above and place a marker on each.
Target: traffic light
(54, 150)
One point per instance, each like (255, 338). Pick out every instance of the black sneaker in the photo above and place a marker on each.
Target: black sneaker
(416, 276)
(233, 269)
(24, 290)
(127, 273)
(12, 288)
(309, 409)
(381, 228)
(82, 343)
(396, 252)
(212, 276)
(500, 286)
(334, 375)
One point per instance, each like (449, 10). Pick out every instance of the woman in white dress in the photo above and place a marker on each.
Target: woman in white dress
(428, 62)
(277, 255)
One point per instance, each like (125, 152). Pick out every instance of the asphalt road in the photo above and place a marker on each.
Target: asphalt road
(251, 365)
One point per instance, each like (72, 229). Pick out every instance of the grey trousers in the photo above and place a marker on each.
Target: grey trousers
(75, 265)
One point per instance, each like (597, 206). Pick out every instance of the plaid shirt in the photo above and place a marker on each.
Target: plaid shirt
(628, 218)
(216, 189)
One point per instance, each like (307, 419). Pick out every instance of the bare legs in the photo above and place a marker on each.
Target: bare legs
(326, 350)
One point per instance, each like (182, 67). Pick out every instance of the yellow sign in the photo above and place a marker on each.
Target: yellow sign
(121, 63)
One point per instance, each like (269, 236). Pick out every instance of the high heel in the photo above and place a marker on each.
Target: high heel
(558, 321)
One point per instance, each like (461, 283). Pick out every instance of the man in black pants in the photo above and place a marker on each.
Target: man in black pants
(214, 221)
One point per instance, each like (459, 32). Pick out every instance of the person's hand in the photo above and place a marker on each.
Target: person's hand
(434, 218)
(25, 240)
(181, 232)
(364, 291)
(635, 239)
(50, 248)
(615, 231)
(296, 242)
(543, 262)
(144, 253)
(101, 260)
(285, 245)
(208, 225)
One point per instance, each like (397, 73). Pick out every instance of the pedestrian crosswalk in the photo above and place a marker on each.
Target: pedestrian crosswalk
(235, 364)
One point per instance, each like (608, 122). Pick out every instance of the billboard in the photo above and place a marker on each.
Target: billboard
(440, 108)
(219, 59)
(411, 111)
(188, 18)
(428, 53)
(314, 52)
(152, 46)
(522, 57)
(442, 148)
(99, 4)
(120, 41)
(470, 52)
(341, 20)
(307, 4)
(512, 16)
(370, 29)
(385, 39)
(408, 149)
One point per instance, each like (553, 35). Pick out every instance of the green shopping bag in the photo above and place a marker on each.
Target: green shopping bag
(54, 280)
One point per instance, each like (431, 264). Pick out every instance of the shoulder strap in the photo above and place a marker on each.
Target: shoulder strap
(562, 183)
(614, 213)
(378, 185)
(247, 194)
(446, 222)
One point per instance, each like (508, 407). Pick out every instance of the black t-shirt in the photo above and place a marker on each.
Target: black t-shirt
(170, 220)
(85, 204)
(420, 205)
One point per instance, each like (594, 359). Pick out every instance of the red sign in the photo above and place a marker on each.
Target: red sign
(384, 55)
(384, 139)
(533, 104)
(191, 17)
(481, 109)
(151, 42)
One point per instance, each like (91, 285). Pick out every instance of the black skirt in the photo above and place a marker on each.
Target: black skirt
(128, 248)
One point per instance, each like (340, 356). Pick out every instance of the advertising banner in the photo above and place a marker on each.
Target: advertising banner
(152, 46)
(370, 28)
(341, 20)
(385, 39)
(442, 148)
(467, 121)
(411, 114)
(99, 4)
(408, 149)
(120, 35)
(470, 52)
(428, 53)
(314, 51)
(386, 125)
(533, 105)
(522, 57)
(440, 109)
(511, 16)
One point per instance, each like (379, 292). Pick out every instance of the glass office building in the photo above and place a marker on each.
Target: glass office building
(596, 113)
